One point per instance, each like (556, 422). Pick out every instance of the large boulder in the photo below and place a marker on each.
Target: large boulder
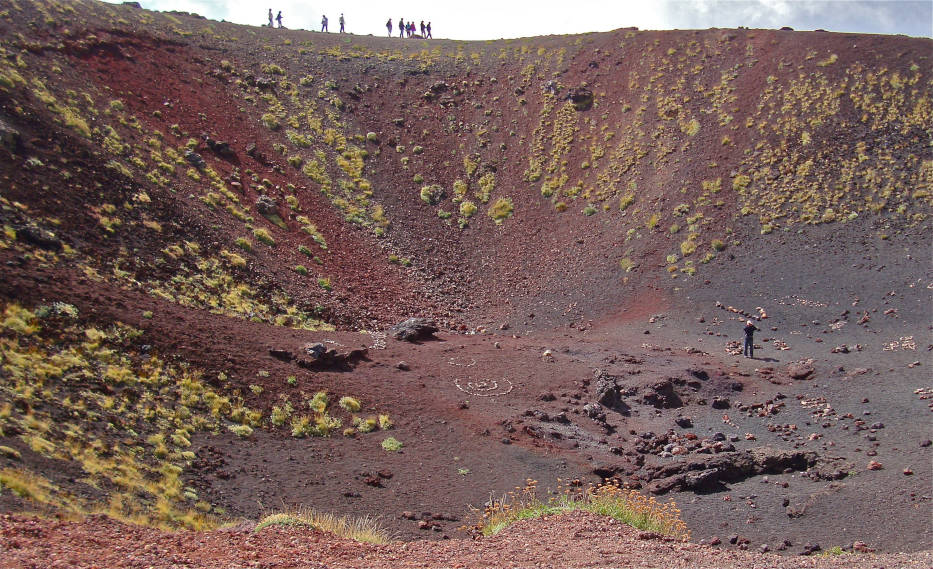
(413, 329)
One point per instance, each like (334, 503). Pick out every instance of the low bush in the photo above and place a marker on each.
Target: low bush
(625, 505)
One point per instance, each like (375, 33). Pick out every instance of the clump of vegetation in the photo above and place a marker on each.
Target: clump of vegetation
(263, 235)
(432, 194)
(349, 404)
(609, 499)
(364, 530)
(391, 444)
(500, 210)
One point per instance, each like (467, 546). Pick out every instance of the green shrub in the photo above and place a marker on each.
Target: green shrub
(349, 404)
(432, 194)
(391, 444)
(467, 208)
(500, 210)
(244, 243)
(263, 235)
(301, 270)
(271, 121)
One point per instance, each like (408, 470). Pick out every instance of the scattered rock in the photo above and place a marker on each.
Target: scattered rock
(39, 237)
(800, 370)
(318, 356)
(582, 98)
(195, 159)
(908, 472)
(413, 329)
(595, 411)
(266, 205)
(663, 396)
(10, 138)
(721, 403)
(609, 394)
(684, 422)
(810, 549)
(874, 465)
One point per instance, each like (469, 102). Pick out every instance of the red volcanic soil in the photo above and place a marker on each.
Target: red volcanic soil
(552, 361)
(564, 541)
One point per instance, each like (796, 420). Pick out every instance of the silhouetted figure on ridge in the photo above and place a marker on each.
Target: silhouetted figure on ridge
(278, 18)
(324, 23)
(428, 29)
(401, 28)
(341, 20)
(270, 18)
(389, 26)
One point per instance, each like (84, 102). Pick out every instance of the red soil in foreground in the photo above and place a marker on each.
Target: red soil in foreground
(565, 541)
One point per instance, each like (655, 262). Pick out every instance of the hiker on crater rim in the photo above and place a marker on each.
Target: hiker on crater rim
(428, 29)
(422, 28)
(389, 26)
(749, 349)
(278, 18)
(270, 18)
(341, 20)
(324, 23)
(401, 28)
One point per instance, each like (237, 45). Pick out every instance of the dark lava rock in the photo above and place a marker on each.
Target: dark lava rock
(609, 394)
(195, 159)
(265, 205)
(711, 473)
(721, 403)
(582, 98)
(220, 147)
(39, 237)
(810, 549)
(547, 396)
(413, 329)
(595, 411)
(319, 356)
(663, 396)
(10, 137)
(684, 422)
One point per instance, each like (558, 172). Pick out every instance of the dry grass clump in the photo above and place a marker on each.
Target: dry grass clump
(608, 499)
(364, 529)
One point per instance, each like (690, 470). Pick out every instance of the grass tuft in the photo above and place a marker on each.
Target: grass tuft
(609, 499)
(364, 529)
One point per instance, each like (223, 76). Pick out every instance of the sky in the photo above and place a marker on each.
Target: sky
(493, 19)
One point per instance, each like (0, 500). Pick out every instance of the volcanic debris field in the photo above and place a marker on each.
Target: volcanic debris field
(211, 230)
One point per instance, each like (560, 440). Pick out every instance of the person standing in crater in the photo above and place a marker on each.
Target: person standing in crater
(749, 349)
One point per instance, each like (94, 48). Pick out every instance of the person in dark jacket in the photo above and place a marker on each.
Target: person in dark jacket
(749, 349)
